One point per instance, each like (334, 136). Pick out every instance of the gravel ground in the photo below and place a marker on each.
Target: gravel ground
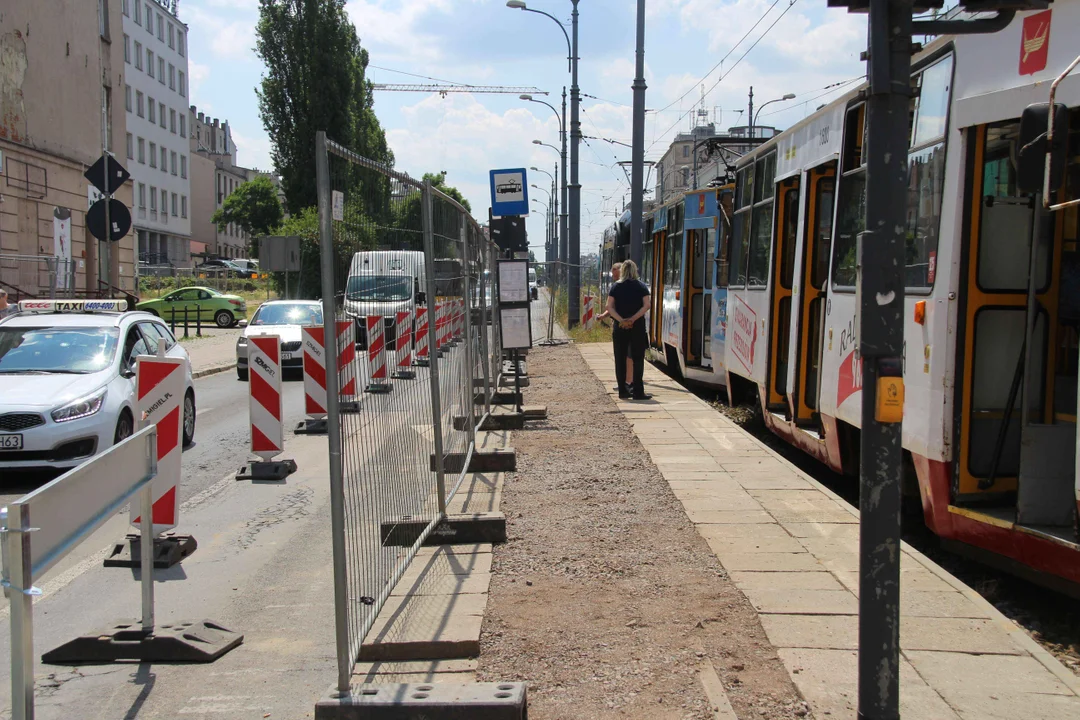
(605, 599)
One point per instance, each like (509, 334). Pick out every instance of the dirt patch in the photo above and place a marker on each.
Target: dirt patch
(605, 599)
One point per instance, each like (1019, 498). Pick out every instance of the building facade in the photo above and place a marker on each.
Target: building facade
(214, 157)
(60, 90)
(155, 52)
(702, 156)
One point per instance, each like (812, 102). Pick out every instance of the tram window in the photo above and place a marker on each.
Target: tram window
(744, 186)
(646, 262)
(740, 227)
(762, 217)
(851, 208)
(926, 178)
(710, 259)
(723, 252)
(932, 106)
(790, 230)
(854, 137)
(823, 221)
(695, 239)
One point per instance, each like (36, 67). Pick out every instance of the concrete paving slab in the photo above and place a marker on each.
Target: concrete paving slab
(827, 680)
(426, 627)
(773, 581)
(722, 546)
(739, 517)
(802, 602)
(771, 562)
(771, 481)
(938, 604)
(834, 531)
(694, 464)
(837, 632)
(447, 563)
(802, 506)
(443, 584)
(697, 476)
(701, 508)
(915, 579)
(708, 485)
(747, 531)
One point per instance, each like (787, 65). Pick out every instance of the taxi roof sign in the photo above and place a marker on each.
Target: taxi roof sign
(72, 306)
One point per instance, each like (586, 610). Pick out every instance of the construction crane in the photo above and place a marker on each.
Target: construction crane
(443, 89)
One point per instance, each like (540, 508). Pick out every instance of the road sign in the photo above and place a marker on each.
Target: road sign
(117, 174)
(279, 253)
(509, 192)
(119, 219)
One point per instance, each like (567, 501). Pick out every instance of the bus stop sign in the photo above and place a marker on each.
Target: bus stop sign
(509, 192)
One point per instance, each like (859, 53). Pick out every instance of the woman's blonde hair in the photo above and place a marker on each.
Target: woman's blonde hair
(629, 271)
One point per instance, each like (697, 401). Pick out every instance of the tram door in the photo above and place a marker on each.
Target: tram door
(1008, 366)
(787, 230)
(817, 249)
(656, 286)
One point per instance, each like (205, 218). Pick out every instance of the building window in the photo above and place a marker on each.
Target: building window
(153, 155)
(174, 204)
(142, 186)
(164, 159)
(164, 202)
(183, 166)
(142, 152)
(138, 12)
(127, 49)
(183, 124)
(161, 70)
(183, 85)
(686, 151)
(149, 19)
(130, 147)
(127, 98)
(103, 19)
(180, 43)
(124, 7)
(172, 37)
(172, 76)
(161, 115)
(139, 103)
(172, 121)
(152, 108)
(153, 199)
(138, 55)
(149, 63)
(172, 162)
(183, 206)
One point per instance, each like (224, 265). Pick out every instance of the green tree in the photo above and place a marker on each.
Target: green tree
(315, 80)
(438, 181)
(357, 233)
(253, 207)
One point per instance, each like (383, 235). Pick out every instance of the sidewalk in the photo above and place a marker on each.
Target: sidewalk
(791, 546)
(212, 353)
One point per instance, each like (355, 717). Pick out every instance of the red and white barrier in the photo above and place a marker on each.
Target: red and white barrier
(376, 342)
(403, 350)
(159, 391)
(459, 318)
(264, 368)
(422, 333)
(440, 327)
(346, 346)
(314, 371)
(588, 312)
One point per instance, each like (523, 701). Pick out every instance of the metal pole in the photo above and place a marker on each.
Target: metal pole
(22, 593)
(436, 398)
(146, 551)
(750, 118)
(470, 360)
(484, 344)
(637, 171)
(881, 338)
(573, 275)
(333, 418)
(564, 238)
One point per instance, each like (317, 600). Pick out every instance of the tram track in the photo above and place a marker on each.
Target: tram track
(1052, 619)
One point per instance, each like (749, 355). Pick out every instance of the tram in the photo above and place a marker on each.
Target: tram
(991, 319)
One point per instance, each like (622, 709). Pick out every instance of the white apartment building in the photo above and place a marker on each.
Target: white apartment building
(156, 99)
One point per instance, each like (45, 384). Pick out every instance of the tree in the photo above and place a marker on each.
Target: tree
(253, 207)
(438, 181)
(315, 80)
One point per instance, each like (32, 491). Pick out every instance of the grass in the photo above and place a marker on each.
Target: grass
(597, 333)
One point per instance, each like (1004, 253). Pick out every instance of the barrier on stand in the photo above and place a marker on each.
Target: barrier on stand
(588, 311)
(403, 346)
(422, 334)
(311, 341)
(348, 401)
(265, 412)
(376, 340)
(159, 394)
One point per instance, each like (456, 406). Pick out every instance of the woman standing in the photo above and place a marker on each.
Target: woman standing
(628, 301)
(616, 273)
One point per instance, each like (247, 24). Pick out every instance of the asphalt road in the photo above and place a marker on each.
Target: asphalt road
(262, 568)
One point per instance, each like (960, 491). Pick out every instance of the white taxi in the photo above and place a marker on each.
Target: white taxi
(67, 379)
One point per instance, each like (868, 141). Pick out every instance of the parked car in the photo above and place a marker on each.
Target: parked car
(220, 267)
(283, 318)
(67, 369)
(245, 266)
(534, 289)
(202, 303)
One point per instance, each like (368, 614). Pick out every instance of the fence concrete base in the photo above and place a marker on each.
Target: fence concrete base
(496, 460)
(189, 642)
(168, 551)
(311, 427)
(483, 527)
(501, 397)
(433, 701)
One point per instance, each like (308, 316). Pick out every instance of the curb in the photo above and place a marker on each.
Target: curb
(212, 370)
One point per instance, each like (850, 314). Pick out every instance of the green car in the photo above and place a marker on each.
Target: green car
(201, 303)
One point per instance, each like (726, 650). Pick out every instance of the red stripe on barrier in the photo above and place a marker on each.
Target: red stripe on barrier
(261, 443)
(350, 388)
(315, 370)
(265, 396)
(151, 374)
(311, 406)
(165, 508)
(269, 348)
(168, 428)
(316, 333)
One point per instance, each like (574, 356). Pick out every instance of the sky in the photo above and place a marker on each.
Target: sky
(719, 47)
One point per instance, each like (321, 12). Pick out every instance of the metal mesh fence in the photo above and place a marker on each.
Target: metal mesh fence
(26, 276)
(401, 272)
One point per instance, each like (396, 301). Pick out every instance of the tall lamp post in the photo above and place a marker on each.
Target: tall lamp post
(547, 216)
(637, 153)
(563, 236)
(753, 119)
(552, 249)
(573, 201)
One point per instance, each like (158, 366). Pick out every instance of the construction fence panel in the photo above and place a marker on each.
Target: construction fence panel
(396, 256)
(36, 276)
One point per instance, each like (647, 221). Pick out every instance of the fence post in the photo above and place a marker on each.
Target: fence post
(485, 345)
(470, 349)
(53, 264)
(436, 398)
(333, 417)
(185, 321)
(22, 592)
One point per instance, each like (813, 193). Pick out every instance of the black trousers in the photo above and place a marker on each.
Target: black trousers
(630, 342)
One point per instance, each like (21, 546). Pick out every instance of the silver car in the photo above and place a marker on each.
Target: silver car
(283, 318)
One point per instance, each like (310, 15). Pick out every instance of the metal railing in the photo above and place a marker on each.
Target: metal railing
(37, 276)
(394, 249)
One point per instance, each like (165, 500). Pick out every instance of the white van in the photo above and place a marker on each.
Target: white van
(383, 282)
(534, 291)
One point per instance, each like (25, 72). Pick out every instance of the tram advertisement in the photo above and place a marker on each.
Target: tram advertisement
(743, 332)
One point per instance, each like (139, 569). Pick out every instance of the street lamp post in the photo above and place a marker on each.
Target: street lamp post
(553, 241)
(573, 201)
(563, 238)
(754, 117)
(547, 216)
(637, 153)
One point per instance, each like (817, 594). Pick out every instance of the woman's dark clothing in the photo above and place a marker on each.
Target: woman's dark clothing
(629, 296)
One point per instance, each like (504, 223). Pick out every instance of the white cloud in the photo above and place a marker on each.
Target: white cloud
(198, 73)
(230, 35)
(390, 28)
(252, 150)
